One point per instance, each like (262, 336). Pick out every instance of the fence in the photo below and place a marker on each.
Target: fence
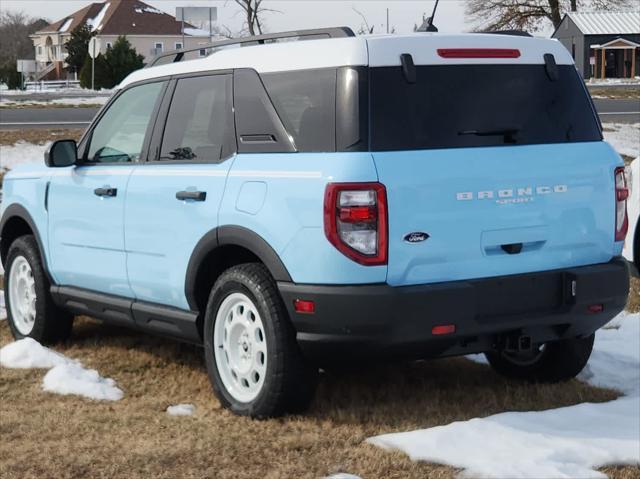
(51, 85)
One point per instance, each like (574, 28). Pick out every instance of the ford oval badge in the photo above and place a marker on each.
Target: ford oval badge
(416, 237)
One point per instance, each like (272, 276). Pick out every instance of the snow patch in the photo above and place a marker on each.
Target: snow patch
(65, 26)
(66, 375)
(615, 361)
(28, 353)
(566, 442)
(149, 10)
(21, 153)
(196, 32)
(181, 410)
(624, 137)
(3, 311)
(72, 378)
(95, 23)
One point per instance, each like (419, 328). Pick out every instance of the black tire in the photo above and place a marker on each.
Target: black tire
(51, 324)
(558, 361)
(290, 381)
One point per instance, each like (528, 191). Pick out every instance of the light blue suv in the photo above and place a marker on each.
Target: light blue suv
(296, 204)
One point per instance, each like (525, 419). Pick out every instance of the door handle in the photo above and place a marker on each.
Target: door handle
(191, 195)
(106, 191)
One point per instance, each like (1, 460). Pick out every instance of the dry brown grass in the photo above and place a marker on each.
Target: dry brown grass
(634, 296)
(38, 136)
(40, 106)
(615, 93)
(46, 435)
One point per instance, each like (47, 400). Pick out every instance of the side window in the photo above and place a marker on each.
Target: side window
(305, 101)
(120, 133)
(200, 120)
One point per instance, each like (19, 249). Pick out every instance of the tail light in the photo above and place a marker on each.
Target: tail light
(355, 221)
(622, 193)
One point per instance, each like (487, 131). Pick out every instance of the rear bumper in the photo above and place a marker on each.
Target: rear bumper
(365, 321)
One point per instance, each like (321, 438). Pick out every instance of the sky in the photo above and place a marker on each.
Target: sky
(296, 14)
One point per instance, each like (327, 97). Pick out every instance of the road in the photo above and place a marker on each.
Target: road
(13, 119)
(618, 111)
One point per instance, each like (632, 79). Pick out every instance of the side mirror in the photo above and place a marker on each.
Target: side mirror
(61, 153)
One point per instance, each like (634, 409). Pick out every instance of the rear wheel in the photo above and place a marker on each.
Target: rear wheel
(30, 309)
(251, 352)
(551, 362)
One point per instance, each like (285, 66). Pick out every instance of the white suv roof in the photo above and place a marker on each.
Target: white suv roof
(374, 50)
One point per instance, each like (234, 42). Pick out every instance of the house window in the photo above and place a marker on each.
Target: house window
(159, 47)
(203, 52)
(109, 45)
(178, 45)
(39, 49)
(573, 50)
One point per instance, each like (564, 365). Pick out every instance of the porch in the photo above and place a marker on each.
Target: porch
(615, 59)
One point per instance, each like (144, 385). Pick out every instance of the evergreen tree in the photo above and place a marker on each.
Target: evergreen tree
(103, 76)
(123, 59)
(112, 67)
(78, 47)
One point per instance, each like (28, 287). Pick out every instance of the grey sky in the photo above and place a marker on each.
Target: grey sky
(295, 13)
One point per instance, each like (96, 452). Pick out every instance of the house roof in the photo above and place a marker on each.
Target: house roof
(606, 23)
(618, 43)
(122, 17)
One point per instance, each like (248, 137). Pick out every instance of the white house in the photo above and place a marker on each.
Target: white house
(149, 30)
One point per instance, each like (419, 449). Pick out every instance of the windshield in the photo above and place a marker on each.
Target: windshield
(478, 105)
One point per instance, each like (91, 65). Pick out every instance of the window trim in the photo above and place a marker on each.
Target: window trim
(85, 140)
(155, 144)
(155, 46)
(176, 47)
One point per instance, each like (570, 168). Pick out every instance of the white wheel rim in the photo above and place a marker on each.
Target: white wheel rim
(240, 345)
(22, 295)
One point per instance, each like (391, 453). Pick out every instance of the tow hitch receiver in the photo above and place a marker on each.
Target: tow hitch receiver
(516, 343)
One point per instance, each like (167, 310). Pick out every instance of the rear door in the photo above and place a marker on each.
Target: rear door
(173, 200)
(500, 164)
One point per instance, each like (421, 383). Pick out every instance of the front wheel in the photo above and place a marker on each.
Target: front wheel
(251, 352)
(30, 308)
(547, 363)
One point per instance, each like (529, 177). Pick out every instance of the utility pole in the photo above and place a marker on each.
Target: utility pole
(210, 27)
(183, 45)
(387, 20)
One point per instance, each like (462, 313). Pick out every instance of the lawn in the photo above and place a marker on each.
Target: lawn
(47, 435)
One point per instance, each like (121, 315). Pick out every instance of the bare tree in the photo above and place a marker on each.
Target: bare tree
(531, 14)
(253, 11)
(364, 26)
(15, 28)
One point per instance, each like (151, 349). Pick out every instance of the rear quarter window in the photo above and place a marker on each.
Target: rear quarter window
(305, 102)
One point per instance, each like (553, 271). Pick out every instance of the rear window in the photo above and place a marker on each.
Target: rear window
(478, 105)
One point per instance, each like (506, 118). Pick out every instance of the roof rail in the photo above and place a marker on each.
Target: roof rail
(515, 33)
(175, 56)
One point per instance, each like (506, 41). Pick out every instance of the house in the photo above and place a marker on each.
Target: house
(603, 44)
(149, 30)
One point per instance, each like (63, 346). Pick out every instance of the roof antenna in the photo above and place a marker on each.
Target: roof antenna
(430, 26)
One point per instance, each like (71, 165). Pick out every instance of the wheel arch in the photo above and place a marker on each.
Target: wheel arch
(15, 222)
(220, 249)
